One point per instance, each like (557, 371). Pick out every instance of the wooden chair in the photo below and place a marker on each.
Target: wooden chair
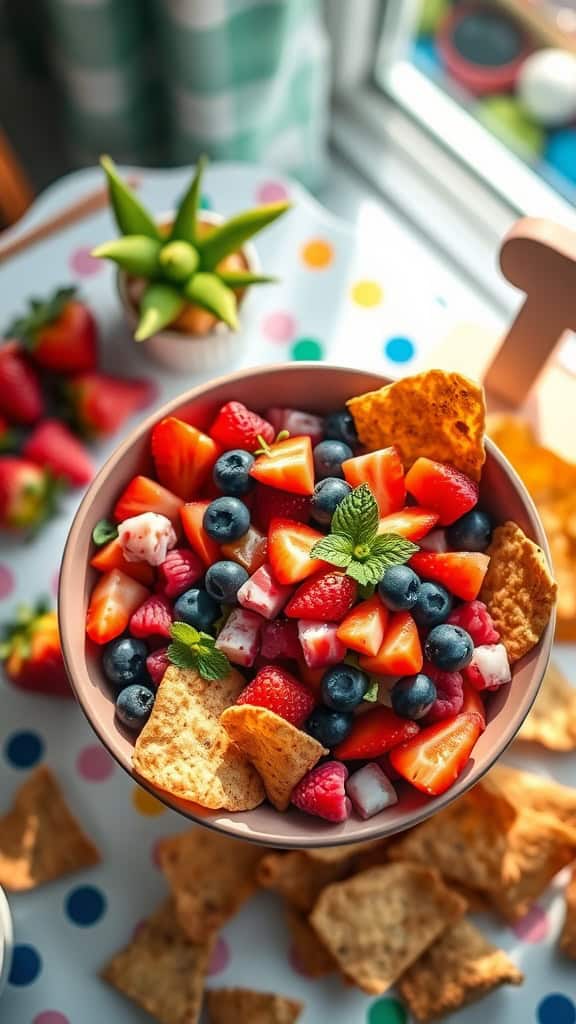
(16, 193)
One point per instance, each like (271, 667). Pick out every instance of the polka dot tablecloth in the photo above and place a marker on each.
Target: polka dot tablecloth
(342, 298)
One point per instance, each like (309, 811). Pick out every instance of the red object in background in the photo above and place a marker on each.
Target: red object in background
(31, 653)
(479, 78)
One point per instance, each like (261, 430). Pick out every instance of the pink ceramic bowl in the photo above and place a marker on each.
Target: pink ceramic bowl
(319, 388)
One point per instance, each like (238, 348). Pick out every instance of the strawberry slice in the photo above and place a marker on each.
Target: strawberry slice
(288, 466)
(289, 547)
(192, 515)
(401, 650)
(440, 487)
(183, 456)
(411, 522)
(114, 599)
(249, 550)
(270, 503)
(473, 704)
(461, 572)
(325, 597)
(364, 627)
(374, 733)
(433, 760)
(384, 474)
(111, 556)
(145, 495)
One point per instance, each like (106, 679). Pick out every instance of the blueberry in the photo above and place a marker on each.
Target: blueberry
(329, 456)
(328, 494)
(343, 687)
(471, 532)
(413, 696)
(224, 579)
(226, 519)
(433, 605)
(124, 662)
(329, 727)
(231, 472)
(399, 588)
(339, 426)
(450, 648)
(197, 608)
(133, 706)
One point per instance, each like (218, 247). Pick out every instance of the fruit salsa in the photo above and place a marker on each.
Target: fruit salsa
(314, 610)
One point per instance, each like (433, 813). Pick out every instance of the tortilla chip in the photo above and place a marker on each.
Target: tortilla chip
(379, 922)
(210, 877)
(161, 971)
(568, 934)
(280, 752)
(40, 839)
(312, 956)
(184, 750)
(459, 968)
(243, 1006)
(436, 414)
(528, 791)
(298, 878)
(552, 720)
(477, 902)
(518, 589)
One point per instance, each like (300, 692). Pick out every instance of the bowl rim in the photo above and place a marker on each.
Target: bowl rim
(66, 579)
(6, 939)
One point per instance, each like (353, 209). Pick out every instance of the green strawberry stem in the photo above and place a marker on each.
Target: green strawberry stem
(185, 227)
(231, 236)
(136, 254)
(209, 292)
(159, 306)
(131, 216)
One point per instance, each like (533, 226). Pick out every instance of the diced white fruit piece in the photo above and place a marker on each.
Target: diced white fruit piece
(296, 422)
(434, 541)
(370, 791)
(146, 538)
(491, 661)
(319, 643)
(263, 594)
(239, 639)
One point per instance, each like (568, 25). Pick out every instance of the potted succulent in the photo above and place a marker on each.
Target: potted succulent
(183, 280)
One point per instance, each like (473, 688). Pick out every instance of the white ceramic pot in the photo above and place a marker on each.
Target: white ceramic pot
(180, 352)
(6, 940)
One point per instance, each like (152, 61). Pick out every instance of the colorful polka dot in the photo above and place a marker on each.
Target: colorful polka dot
(6, 582)
(307, 348)
(220, 957)
(85, 905)
(556, 1009)
(51, 1017)
(24, 749)
(94, 764)
(317, 254)
(387, 1011)
(367, 294)
(26, 965)
(399, 349)
(83, 264)
(271, 192)
(279, 326)
(146, 804)
(533, 927)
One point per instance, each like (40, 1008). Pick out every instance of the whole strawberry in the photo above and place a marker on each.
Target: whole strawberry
(276, 689)
(52, 445)
(236, 426)
(60, 333)
(100, 403)
(30, 651)
(20, 395)
(27, 494)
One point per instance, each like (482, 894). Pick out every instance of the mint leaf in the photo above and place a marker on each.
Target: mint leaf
(192, 649)
(335, 549)
(356, 516)
(359, 572)
(185, 633)
(181, 655)
(372, 693)
(213, 665)
(104, 532)
(366, 590)
(394, 549)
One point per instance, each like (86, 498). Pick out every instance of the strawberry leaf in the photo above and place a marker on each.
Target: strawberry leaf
(335, 549)
(356, 517)
(104, 532)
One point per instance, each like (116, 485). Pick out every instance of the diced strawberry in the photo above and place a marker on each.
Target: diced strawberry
(270, 503)
(364, 627)
(289, 466)
(411, 522)
(276, 689)
(489, 668)
(192, 515)
(280, 640)
(449, 693)
(183, 456)
(401, 651)
(114, 599)
(433, 760)
(375, 733)
(328, 596)
(179, 571)
(370, 791)
(145, 495)
(461, 572)
(384, 474)
(321, 792)
(111, 556)
(475, 618)
(473, 704)
(153, 618)
(157, 662)
(440, 487)
(249, 550)
(263, 594)
(297, 423)
(320, 645)
(239, 638)
(435, 541)
(289, 547)
(53, 446)
(236, 426)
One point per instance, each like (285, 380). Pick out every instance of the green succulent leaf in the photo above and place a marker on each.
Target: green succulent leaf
(159, 306)
(185, 226)
(243, 278)
(131, 216)
(231, 236)
(356, 517)
(208, 291)
(179, 260)
(137, 254)
(336, 549)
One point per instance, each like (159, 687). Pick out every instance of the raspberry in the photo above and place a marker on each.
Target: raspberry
(153, 618)
(325, 597)
(179, 571)
(321, 792)
(450, 693)
(236, 426)
(157, 663)
(474, 617)
(280, 640)
(271, 504)
(277, 690)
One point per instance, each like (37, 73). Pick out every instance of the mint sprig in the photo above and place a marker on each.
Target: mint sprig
(354, 544)
(192, 649)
